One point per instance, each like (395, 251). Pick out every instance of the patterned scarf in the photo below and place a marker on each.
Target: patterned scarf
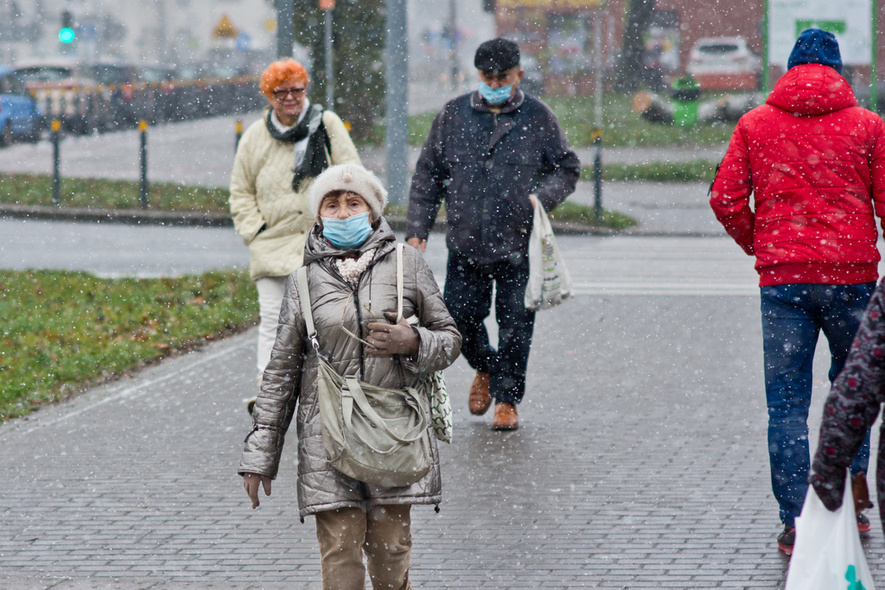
(311, 125)
(352, 268)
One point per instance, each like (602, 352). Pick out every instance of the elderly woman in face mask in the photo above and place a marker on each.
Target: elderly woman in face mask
(351, 265)
(277, 160)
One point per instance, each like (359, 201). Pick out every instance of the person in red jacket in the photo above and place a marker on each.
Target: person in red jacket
(814, 163)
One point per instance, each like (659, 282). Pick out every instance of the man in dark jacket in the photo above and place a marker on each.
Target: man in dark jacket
(492, 156)
(814, 162)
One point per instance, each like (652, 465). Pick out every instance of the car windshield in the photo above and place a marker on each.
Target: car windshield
(718, 48)
(107, 74)
(43, 74)
(155, 75)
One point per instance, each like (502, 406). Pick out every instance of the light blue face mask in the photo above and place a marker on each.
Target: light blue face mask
(495, 96)
(349, 232)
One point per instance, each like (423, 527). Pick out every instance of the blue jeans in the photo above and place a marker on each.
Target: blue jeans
(792, 317)
(468, 295)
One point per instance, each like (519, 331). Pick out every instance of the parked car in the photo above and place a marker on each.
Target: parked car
(19, 117)
(724, 63)
(63, 92)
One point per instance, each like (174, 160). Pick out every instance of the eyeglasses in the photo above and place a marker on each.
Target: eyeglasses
(284, 92)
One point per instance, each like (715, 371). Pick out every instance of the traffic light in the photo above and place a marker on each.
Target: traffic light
(66, 33)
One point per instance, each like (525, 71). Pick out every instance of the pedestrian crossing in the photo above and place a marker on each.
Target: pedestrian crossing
(646, 266)
(658, 266)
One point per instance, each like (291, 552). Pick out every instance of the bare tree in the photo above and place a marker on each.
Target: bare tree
(630, 68)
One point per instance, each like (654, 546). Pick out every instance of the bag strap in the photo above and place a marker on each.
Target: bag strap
(399, 281)
(304, 299)
(359, 398)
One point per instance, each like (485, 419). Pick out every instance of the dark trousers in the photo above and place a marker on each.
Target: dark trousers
(468, 295)
(793, 316)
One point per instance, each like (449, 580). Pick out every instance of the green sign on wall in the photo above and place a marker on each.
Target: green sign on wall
(849, 20)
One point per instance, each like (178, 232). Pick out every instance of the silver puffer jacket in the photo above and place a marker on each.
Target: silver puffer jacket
(290, 377)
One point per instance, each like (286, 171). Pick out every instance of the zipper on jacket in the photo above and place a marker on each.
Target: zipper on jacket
(359, 330)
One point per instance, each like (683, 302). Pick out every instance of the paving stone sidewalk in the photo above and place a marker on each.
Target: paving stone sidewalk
(640, 463)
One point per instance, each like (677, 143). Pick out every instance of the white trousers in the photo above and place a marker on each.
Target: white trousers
(270, 297)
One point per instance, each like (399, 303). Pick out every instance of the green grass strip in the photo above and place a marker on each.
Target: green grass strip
(567, 212)
(65, 330)
(99, 193)
(692, 171)
(35, 189)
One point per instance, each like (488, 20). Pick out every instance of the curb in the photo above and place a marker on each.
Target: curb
(198, 219)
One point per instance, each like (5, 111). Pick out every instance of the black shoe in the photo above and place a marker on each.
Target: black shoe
(787, 539)
(863, 523)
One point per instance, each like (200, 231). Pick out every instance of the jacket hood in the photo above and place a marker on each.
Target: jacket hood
(812, 90)
(317, 247)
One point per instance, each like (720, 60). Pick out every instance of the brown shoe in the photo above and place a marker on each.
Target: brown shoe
(480, 398)
(506, 417)
(861, 494)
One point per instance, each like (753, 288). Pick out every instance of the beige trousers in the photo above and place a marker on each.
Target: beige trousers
(383, 534)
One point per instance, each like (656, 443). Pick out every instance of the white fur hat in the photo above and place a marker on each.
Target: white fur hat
(351, 178)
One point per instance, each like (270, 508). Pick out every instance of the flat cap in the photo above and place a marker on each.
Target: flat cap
(496, 55)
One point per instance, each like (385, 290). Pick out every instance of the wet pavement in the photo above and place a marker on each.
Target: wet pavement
(640, 461)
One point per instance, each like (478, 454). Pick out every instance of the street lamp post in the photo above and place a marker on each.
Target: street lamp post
(327, 6)
(396, 53)
(285, 30)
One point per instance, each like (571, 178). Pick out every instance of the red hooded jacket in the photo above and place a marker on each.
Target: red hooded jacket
(814, 162)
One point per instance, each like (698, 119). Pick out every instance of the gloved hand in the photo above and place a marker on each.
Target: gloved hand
(393, 338)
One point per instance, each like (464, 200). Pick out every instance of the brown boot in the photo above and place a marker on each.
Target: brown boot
(480, 398)
(506, 417)
(861, 494)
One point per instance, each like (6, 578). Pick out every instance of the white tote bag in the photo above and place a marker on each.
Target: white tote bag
(828, 553)
(549, 280)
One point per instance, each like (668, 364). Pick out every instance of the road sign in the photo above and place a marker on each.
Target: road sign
(243, 42)
(327, 4)
(225, 29)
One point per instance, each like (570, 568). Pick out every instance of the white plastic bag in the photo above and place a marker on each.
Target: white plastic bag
(827, 553)
(549, 281)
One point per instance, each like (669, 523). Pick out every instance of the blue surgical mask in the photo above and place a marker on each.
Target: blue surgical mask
(495, 96)
(349, 232)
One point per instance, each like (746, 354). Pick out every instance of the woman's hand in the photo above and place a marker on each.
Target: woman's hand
(391, 339)
(250, 482)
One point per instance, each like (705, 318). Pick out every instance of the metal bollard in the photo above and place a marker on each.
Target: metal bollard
(142, 127)
(597, 175)
(239, 133)
(56, 162)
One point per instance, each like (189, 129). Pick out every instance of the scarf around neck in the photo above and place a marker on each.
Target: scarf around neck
(310, 126)
(352, 268)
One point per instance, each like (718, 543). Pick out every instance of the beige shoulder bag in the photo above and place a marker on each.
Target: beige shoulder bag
(375, 435)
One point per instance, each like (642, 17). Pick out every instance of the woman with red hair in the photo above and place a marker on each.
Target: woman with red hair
(277, 159)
